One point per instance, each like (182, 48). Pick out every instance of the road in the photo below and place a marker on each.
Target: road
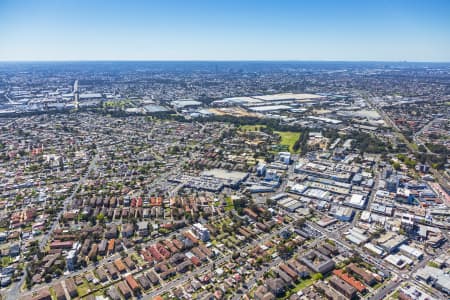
(259, 274)
(372, 194)
(177, 282)
(9, 99)
(392, 285)
(383, 291)
(167, 286)
(438, 176)
(105, 260)
(416, 136)
(14, 290)
(335, 236)
(380, 264)
(375, 186)
(67, 201)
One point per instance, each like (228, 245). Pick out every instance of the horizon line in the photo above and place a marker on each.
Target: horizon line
(220, 60)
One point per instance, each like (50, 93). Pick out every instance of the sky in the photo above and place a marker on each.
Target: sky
(369, 30)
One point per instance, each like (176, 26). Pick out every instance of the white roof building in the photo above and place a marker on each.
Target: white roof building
(398, 260)
(356, 201)
(374, 249)
(411, 251)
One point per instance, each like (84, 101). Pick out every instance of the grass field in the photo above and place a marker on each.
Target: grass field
(229, 202)
(5, 261)
(251, 127)
(289, 138)
(84, 288)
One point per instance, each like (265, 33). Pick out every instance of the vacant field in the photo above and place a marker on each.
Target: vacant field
(288, 138)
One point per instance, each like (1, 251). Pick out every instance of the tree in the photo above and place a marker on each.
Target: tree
(422, 148)
(317, 276)
(355, 259)
(100, 217)
(28, 281)
(284, 251)
(396, 166)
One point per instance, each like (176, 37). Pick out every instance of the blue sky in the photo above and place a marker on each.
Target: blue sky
(391, 30)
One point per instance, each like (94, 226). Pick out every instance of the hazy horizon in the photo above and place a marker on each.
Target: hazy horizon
(221, 60)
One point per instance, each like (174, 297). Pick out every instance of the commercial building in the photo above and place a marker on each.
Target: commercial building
(356, 200)
(357, 236)
(201, 232)
(434, 277)
(398, 260)
(413, 292)
(261, 169)
(185, 103)
(411, 251)
(335, 172)
(269, 108)
(284, 157)
(229, 178)
(71, 260)
(391, 242)
(381, 209)
(374, 249)
(344, 214)
(298, 188)
(289, 204)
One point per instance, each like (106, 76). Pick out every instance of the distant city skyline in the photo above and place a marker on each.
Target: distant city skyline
(324, 30)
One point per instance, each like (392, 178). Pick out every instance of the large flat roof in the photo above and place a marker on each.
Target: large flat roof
(287, 96)
(185, 102)
(90, 95)
(225, 174)
(269, 108)
(242, 99)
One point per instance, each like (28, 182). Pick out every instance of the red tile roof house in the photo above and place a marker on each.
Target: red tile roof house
(119, 265)
(350, 280)
(111, 243)
(61, 245)
(132, 283)
(124, 289)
